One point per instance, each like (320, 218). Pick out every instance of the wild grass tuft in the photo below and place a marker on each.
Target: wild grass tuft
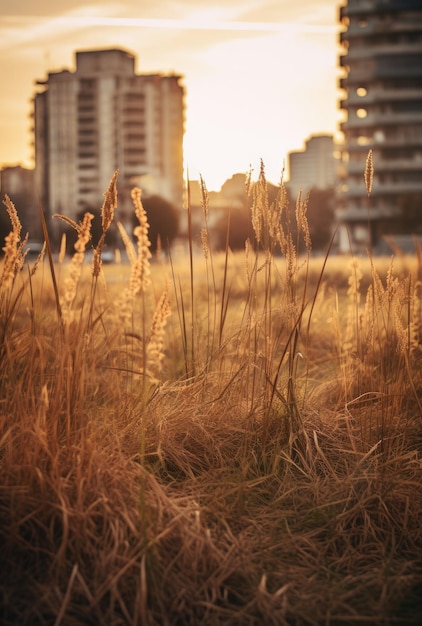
(224, 438)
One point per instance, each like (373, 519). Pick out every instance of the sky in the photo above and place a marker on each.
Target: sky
(260, 75)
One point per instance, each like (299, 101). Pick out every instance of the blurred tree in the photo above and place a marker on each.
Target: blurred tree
(321, 216)
(96, 230)
(239, 231)
(163, 221)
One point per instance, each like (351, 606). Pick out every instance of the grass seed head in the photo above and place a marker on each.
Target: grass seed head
(155, 354)
(140, 276)
(84, 235)
(14, 254)
(205, 242)
(369, 172)
(110, 203)
(204, 197)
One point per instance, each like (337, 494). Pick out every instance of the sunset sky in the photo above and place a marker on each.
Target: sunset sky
(260, 75)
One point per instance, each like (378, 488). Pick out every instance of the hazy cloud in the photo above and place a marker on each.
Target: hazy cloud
(270, 11)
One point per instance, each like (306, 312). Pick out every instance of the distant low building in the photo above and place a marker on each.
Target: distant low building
(232, 195)
(315, 167)
(101, 117)
(235, 187)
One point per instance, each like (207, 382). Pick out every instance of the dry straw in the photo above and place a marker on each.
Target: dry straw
(139, 258)
(155, 354)
(122, 507)
(62, 250)
(302, 220)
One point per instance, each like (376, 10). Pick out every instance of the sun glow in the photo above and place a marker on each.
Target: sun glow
(255, 88)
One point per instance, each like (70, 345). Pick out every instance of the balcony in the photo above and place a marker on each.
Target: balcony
(413, 70)
(385, 69)
(385, 165)
(134, 168)
(358, 212)
(399, 165)
(365, 7)
(368, 29)
(86, 163)
(378, 50)
(358, 189)
(378, 120)
(87, 118)
(356, 79)
(87, 127)
(84, 154)
(356, 145)
(376, 95)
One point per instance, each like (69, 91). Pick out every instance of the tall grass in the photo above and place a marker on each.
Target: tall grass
(220, 439)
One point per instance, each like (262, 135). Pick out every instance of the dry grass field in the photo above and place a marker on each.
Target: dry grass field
(215, 438)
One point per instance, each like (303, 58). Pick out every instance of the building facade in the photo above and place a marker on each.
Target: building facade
(103, 117)
(315, 167)
(381, 62)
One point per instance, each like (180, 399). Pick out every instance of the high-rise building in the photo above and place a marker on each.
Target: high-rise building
(315, 167)
(103, 117)
(382, 106)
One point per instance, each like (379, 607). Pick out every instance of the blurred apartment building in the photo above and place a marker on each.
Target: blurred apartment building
(382, 105)
(101, 117)
(315, 167)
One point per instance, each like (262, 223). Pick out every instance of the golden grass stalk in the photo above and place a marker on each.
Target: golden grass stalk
(259, 206)
(39, 259)
(187, 326)
(369, 172)
(204, 198)
(139, 258)
(127, 242)
(110, 203)
(14, 255)
(107, 215)
(62, 250)
(140, 275)
(154, 350)
(83, 230)
(205, 243)
(302, 220)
